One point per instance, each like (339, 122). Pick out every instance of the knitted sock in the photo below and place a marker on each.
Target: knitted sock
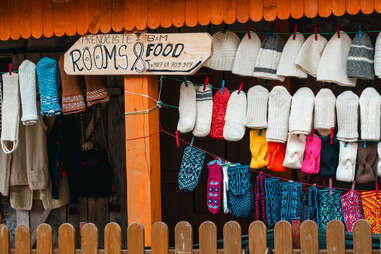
(276, 153)
(313, 207)
(10, 113)
(48, 82)
(325, 111)
(291, 201)
(347, 116)
(366, 163)
(258, 148)
(214, 186)
(235, 117)
(260, 207)
(187, 108)
(371, 204)
(329, 207)
(347, 162)
(204, 104)
(311, 163)
(351, 207)
(96, 91)
(256, 117)
(27, 82)
(191, 167)
(329, 156)
(379, 159)
(220, 103)
(273, 200)
(295, 151)
(301, 114)
(226, 186)
(370, 102)
(278, 114)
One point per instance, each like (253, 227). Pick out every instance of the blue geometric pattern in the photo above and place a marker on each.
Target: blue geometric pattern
(273, 200)
(313, 206)
(240, 191)
(292, 201)
(330, 207)
(190, 170)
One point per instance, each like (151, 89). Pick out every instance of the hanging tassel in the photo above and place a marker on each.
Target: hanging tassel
(295, 30)
(330, 186)
(177, 139)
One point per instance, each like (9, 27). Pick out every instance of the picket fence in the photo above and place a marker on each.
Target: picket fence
(362, 243)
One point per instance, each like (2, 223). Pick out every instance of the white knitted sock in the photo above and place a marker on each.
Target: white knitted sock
(347, 162)
(204, 102)
(370, 102)
(235, 117)
(302, 108)
(379, 159)
(10, 116)
(187, 108)
(278, 114)
(27, 76)
(347, 104)
(295, 151)
(325, 111)
(256, 117)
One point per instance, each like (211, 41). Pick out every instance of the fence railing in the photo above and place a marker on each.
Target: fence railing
(335, 238)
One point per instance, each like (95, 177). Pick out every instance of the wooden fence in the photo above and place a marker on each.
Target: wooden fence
(362, 243)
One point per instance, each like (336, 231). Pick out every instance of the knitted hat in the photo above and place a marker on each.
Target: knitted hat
(256, 117)
(276, 153)
(291, 201)
(379, 159)
(246, 55)
(347, 104)
(302, 108)
(347, 162)
(310, 53)
(235, 117)
(361, 58)
(27, 82)
(371, 204)
(370, 102)
(329, 207)
(351, 208)
(204, 104)
(333, 62)
(287, 66)
(311, 163)
(377, 56)
(258, 148)
(325, 111)
(187, 108)
(220, 103)
(48, 82)
(278, 114)
(295, 151)
(268, 58)
(273, 200)
(366, 163)
(225, 46)
(329, 156)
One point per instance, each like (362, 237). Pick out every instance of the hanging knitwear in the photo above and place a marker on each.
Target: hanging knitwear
(260, 208)
(311, 163)
(351, 208)
(240, 191)
(313, 208)
(329, 156)
(273, 200)
(220, 103)
(49, 82)
(292, 201)
(204, 104)
(258, 148)
(96, 91)
(276, 153)
(225, 186)
(367, 159)
(330, 207)
(371, 204)
(214, 185)
(27, 82)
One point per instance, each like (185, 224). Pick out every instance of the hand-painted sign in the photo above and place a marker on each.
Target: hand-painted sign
(134, 54)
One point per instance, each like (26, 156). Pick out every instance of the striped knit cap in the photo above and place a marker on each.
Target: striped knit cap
(361, 58)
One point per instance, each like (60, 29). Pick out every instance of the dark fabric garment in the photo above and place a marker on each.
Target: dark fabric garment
(54, 147)
(366, 162)
(329, 156)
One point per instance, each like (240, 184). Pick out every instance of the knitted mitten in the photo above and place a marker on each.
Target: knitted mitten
(276, 153)
(347, 116)
(214, 186)
(366, 163)
(311, 163)
(351, 207)
(295, 151)
(235, 117)
(220, 103)
(379, 159)
(302, 108)
(325, 111)
(371, 204)
(258, 148)
(204, 102)
(313, 207)
(291, 201)
(370, 102)
(273, 200)
(347, 162)
(190, 170)
(278, 114)
(187, 108)
(27, 82)
(329, 156)
(329, 206)
(256, 117)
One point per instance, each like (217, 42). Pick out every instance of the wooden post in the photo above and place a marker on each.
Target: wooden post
(142, 152)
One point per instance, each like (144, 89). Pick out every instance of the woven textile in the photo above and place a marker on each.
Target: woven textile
(329, 207)
(371, 204)
(351, 208)
(273, 200)
(260, 208)
(292, 201)
(313, 206)
(240, 191)
(190, 170)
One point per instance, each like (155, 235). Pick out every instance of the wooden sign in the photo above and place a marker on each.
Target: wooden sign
(134, 54)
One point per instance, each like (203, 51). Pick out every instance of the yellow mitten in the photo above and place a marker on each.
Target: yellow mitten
(258, 148)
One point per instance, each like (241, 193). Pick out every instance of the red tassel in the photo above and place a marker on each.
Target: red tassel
(206, 83)
(338, 30)
(248, 31)
(10, 68)
(240, 88)
(295, 29)
(331, 136)
(177, 139)
(315, 28)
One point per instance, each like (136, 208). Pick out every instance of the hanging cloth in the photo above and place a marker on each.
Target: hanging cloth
(96, 91)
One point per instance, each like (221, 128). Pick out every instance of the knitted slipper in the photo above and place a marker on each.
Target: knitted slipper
(371, 204)
(214, 185)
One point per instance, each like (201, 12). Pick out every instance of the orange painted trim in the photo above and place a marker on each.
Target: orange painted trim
(325, 8)
(153, 14)
(229, 11)
(353, 6)
(311, 8)
(4, 20)
(243, 12)
(178, 10)
(367, 6)
(95, 10)
(191, 12)
(256, 10)
(338, 7)
(283, 9)
(297, 9)
(59, 18)
(26, 19)
(166, 13)
(14, 20)
(117, 15)
(105, 17)
(70, 18)
(83, 16)
(204, 12)
(141, 15)
(377, 6)
(216, 11)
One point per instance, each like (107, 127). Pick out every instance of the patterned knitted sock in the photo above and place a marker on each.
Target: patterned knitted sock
(330, 207)
(214, 185)
(351, 207)
(258, 148)
(190, 170)
(291, 201)
(220, 103)
(273, 200)
(379, 159)
(313, 208)
(371, 204)
(276, 153)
